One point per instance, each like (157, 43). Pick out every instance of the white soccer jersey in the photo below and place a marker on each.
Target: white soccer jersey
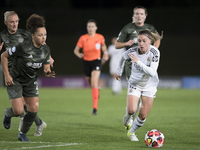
(115, 56)
(144, 73)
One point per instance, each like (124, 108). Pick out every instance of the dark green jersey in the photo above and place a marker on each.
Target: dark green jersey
(11, 40)
(130, 32)
(28, 60)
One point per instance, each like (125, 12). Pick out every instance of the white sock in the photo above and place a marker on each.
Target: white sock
(137, 124)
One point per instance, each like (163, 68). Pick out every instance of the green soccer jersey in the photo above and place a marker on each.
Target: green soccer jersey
(11, 40)
(28, 60)
(130, 32)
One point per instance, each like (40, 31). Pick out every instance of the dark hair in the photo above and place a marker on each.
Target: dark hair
(33, 22)
(140, 7)
(92, 20)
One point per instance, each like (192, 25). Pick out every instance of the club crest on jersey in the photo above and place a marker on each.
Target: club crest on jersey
(20, 40)
(148, 59)
(42, 56)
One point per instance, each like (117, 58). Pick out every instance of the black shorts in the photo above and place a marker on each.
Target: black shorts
(89, 66)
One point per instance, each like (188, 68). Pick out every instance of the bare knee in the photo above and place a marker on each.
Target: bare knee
(132, 111)
(142, 116)
(18, 111)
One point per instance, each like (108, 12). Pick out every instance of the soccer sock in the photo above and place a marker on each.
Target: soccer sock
(95, 97)
(137, 123)
(25, 108)
(38, 121)
(28, 121)
(10, 112)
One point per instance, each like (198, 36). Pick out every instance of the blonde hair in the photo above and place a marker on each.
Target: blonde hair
(9, 13)
(152, 36)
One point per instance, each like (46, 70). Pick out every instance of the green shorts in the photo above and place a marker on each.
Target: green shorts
(127, 68)
(18, 90)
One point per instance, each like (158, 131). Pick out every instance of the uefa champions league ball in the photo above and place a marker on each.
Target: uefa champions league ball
(154, 138)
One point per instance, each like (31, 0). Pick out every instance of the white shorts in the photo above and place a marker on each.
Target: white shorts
(136, 92)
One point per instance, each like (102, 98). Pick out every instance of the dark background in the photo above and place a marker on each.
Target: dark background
(66, 22)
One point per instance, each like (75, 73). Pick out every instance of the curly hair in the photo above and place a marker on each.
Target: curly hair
(33, 22)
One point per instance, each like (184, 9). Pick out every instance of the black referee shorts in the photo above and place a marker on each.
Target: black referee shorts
(89, 66)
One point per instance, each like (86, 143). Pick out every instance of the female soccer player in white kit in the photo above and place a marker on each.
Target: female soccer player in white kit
(143, 80)
(115, 55)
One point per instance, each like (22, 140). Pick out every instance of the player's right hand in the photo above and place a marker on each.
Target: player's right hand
(8, 80)
(118, 77)
(130, 42)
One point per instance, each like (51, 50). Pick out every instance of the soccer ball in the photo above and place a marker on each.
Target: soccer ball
(154, 138)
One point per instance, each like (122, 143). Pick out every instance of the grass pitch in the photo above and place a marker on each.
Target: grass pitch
(71, 125)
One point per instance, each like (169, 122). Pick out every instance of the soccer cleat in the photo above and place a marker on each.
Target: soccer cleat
(94, 112)
(22, 137)
(40, 128)
(20, 123)
(7, 120)
(132, 136)
(127, 121)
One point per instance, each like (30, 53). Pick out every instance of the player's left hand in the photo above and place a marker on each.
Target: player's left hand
(133, 58)
(50, 74)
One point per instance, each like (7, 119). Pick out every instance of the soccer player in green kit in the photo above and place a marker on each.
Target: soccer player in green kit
(21, 80)
(10, 37)
(128, 38)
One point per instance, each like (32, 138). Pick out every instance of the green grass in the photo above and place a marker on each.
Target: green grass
(67, 113)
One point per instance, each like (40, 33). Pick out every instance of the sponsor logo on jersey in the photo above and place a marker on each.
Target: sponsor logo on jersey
(34, 65)
(20, 40)
(30, 56)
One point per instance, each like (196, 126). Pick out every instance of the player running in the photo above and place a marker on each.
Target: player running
(128, 37)
(143, 80)
(9, 38)
(21, 80)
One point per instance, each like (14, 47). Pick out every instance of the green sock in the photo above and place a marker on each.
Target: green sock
(28, 121)
(10, 112)
(38, 121)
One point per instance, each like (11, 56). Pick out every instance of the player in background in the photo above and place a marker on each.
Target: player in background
(115, 56)
(128, 38)
(21, 80)
(91, 44)
(143, 80)
(11, 37)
